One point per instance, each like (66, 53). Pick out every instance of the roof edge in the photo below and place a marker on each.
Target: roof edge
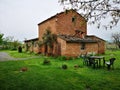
(59, 14)
(34, 39)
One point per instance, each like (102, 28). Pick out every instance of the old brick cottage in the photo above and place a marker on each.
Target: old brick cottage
(72, 39)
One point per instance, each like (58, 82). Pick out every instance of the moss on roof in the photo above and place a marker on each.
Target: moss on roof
(73, 39)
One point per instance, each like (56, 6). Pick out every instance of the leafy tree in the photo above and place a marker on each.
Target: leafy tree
(116, 39)
(1, 38)
(7, 42)
(26, 47)
(15, 44)
(9, 39)
(10, 43)
(32, 46)
(39, 43)
(48, 40)
(96, 10)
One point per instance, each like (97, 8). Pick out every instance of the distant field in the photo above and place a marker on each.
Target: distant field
(51, 77)
(111, 46)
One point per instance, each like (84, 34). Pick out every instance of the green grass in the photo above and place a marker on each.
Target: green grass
(52, 77)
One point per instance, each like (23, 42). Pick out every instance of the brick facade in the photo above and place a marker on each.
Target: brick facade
(62, 24)
(65, 25)
(74, 49)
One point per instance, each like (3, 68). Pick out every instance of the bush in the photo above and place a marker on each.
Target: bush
(19, 49)
(64, 66)
(46, 61)
(69, 58)
(76, 66)
(62, 58)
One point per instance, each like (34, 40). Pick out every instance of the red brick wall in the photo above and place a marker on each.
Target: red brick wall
(66, 26)
(101, 44)
(62, 46)
(74, 49)
(49, 24)
(91, 48)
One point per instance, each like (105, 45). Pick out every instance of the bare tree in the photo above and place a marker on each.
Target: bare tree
(116, 39)
(96, 10)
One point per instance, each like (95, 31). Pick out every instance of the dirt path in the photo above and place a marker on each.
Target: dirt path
(6, 57)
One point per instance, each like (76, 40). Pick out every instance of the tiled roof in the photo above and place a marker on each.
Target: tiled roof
(74, 39)
(34, 39)
(90, 36)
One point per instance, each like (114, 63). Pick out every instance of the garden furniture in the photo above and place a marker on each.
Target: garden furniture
(85, 60)
(110, 63)
(96, 60)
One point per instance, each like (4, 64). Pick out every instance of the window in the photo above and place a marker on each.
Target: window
(73, 18)
(82, 46)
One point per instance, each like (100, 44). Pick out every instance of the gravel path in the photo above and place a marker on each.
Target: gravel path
(6, 57)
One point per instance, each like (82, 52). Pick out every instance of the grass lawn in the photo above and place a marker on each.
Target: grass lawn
(52, 77)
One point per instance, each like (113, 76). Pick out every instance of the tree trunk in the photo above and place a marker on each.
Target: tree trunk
(46, 49)
(119, 46)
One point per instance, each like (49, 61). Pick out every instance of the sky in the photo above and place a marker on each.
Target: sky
(20, 18)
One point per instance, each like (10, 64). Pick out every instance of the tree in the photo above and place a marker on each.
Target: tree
(96, 10)
(39, 43)
(7, 42)
(1, 38)
(15, 44)
(116, 39)
(32, 46)
(48, 40)
(10, 43)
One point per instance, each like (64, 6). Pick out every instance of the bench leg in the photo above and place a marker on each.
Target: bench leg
(108, 67)
(103, 63)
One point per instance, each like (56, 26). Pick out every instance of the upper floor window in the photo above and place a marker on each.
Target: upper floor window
(73, 18)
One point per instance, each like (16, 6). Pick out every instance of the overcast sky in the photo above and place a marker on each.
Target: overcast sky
(19, 18)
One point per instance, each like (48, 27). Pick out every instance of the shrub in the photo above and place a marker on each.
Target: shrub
(19, 49)
(69, 58)
(76, 66)
(64, 66)
(62, 58)
(46, 61)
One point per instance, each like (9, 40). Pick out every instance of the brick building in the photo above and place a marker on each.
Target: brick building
(72, 39)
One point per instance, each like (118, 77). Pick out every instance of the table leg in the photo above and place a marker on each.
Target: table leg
(99, 62)
(103, 62)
